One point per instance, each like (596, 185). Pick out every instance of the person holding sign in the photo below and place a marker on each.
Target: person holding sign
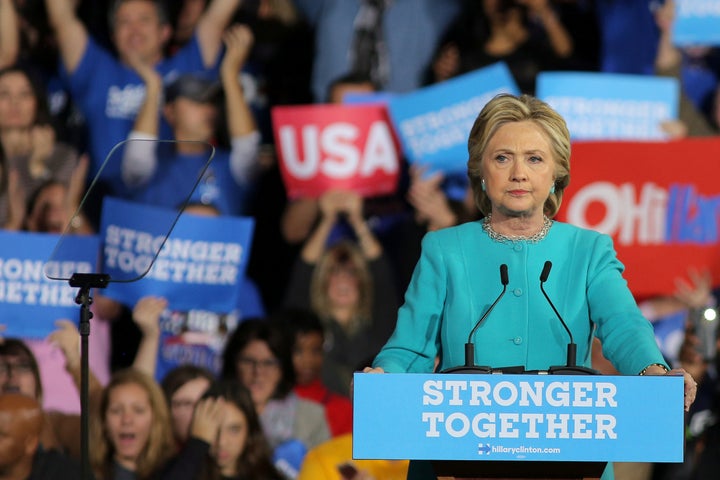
(519, 167)
(349, 285)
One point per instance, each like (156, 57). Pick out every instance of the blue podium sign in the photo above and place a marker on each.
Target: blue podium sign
(518, 417)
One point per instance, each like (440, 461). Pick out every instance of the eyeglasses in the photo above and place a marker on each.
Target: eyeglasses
(7, 369)
(248, 363)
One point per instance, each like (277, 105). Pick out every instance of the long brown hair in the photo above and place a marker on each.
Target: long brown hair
(342, 255)
(255, 461)
(160, 446)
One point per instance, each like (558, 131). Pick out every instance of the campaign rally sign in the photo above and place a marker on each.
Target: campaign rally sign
(198, 266)
(367, 98)
(696, 22)
(434, 122)
(605, 106)
(323, 147)
(198, 337)
(657, 200)
(518, 417)
(30, 302)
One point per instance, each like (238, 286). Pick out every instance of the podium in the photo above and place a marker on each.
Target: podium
(518, 426)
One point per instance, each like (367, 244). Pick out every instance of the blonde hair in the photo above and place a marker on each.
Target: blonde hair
(160, 446)
(506, 108)
(343, 254)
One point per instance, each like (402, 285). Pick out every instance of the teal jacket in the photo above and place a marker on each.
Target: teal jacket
(458, 277)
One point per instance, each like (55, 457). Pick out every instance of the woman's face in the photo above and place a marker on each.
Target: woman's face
(307, 357)
(259, 371)
(183, 403)
(17, 101)
(343, 287)
(231, 440)
(128, 421)
(519, 170)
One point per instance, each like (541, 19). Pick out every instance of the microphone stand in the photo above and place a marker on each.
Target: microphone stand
(469, 366)
(571, 367)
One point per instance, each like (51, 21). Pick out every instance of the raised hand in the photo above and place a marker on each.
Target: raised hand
(67, 339)
(146, 314)
(207, 419)
(238, 41)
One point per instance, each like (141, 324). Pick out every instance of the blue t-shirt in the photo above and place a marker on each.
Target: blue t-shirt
(110, 94)
(176, 174)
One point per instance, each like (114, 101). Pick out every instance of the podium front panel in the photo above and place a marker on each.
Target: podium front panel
(518, 417)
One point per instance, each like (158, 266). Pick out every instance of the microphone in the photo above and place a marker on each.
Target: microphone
(570, 367)
(470, 366)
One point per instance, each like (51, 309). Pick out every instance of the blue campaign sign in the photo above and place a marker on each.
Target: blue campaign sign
(30, 302)
(518, 417)
(433, 123)
(604, 106)
(369, 98)
(199, 266)
(696, 22)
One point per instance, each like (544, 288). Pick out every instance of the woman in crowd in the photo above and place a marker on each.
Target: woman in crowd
(227, 441)
(131, 436)
(519, 161)
(258, 355)
(32, 156)
(348, 285)
(183, 387)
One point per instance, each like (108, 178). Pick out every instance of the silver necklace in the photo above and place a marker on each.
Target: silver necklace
(502, 238)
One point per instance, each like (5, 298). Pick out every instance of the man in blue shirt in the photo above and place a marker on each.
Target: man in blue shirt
(108, 90)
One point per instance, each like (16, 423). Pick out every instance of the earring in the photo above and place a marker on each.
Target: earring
(552, 189)
(482, 184)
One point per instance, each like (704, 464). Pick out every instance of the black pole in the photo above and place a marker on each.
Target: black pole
(85, 281)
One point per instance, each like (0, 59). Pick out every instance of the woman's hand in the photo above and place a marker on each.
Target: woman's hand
(331, 203)
(207, 419)
(373, 370)
(690, 386)
(690, 383)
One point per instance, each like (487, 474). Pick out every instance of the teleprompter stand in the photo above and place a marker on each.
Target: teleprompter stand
(85, 282)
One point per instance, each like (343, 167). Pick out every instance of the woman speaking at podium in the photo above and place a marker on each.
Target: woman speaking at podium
(519, 166)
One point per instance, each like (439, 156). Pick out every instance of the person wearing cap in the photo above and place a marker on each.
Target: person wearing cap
(165, 179)
(109, 89)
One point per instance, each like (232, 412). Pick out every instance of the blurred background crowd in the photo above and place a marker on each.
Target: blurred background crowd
(326, 275)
